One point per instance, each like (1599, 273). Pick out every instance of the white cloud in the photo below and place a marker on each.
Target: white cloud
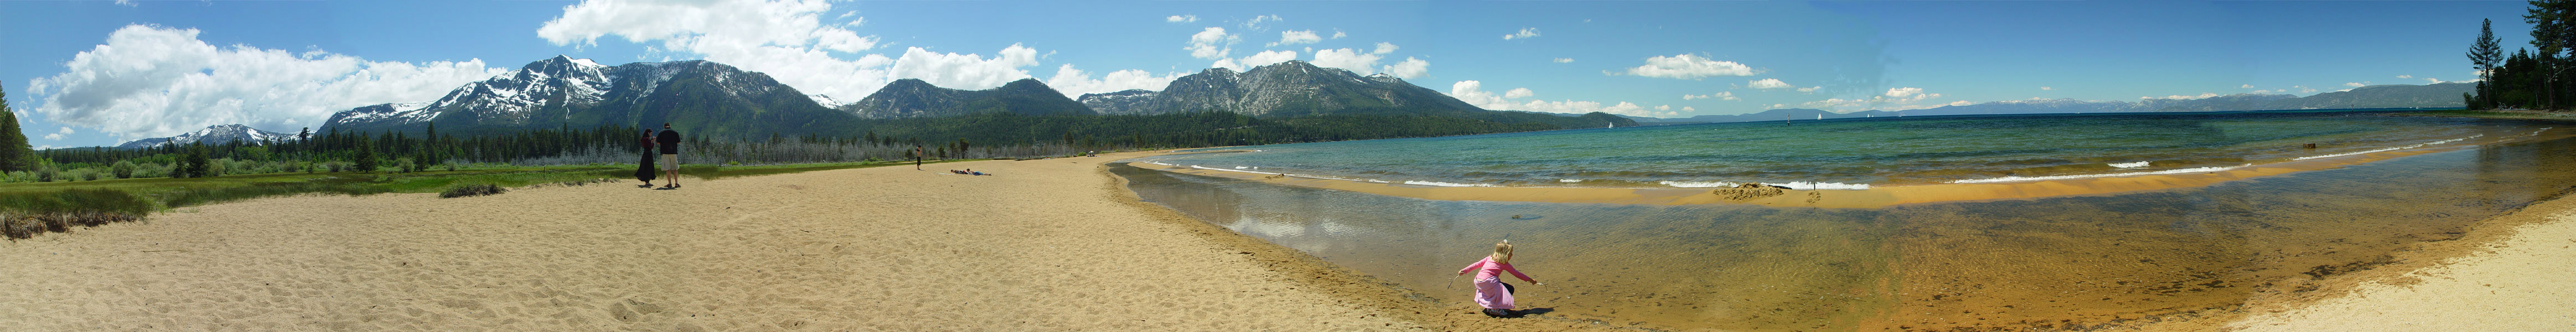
(1264, 58)
(147, 81)
(57, 136)
(1564, 60)
(1181, 18)
(1212, 43)
(2262, 91)
(1903, 92)
(2307, 90)
(1409, 68)
(1688, 109)
(1688, 66)
(1519, 93)
(1260, 23)
(1810, 89)
(2353, 84)
(786, 39)
(1297, 37)
(1525, 33)
(1337, 34)
(965, 71)
(1768, 83)
(2405, 76)
(2046, 88)
(1354, 60)
(2247, 86)
(2432, 80)
(2182, 97)
(1663, 107)
(1075, 82)
(1473, 93)
(1720, 95)
(1384, 48)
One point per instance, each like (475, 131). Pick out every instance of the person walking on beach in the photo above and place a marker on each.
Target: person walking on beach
(644, 169)
(1491, 293)
(917, 154)
(670, 144)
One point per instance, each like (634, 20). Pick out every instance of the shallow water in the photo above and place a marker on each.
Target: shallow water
(2064, 262)
(1848, 153)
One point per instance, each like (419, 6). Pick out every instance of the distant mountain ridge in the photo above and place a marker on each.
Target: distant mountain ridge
(216, 134)
(702, 97)
(1285, 89)
(910, 98)
(2376, 96)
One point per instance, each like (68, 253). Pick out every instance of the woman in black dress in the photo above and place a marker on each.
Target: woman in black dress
(644, 170)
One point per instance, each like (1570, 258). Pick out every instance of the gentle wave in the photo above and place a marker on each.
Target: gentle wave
(1232, 170)
(1790, 185)
(2130, 165)
(2068, 177)
(1569, 180)
(1446, 184)
(2391, 148)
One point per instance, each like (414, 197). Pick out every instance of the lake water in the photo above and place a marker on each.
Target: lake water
(2047, 263)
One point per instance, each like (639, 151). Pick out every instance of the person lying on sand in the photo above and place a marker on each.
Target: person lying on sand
(1491, 292)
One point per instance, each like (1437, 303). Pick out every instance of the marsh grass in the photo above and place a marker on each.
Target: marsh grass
(27, 209)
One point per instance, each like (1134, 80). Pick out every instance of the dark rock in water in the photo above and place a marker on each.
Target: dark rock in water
(1749, 191)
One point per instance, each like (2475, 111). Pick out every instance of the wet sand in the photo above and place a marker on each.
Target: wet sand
(1045, 245)
(2512, 273)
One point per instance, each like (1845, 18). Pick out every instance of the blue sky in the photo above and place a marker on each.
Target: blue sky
(99, 73)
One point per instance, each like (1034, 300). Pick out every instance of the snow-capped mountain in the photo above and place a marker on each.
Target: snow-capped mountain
(705, 96)
(217, 134)
(1285, 89)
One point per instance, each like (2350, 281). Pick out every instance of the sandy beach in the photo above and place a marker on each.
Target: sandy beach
(1050, 244)
(1044, 245)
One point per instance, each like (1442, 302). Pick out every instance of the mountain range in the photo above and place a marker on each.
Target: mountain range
(701, 97)
(2376, 96)
(217, 134)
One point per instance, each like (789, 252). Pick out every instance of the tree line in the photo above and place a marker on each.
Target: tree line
(2529, 78)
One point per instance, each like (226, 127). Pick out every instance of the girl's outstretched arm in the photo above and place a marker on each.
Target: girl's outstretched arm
(1472, 267)
(1517, 273)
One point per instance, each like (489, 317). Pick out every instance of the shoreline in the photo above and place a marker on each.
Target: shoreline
(2491, 278)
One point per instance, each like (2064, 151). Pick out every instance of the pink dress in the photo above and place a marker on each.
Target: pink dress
(1489, 283)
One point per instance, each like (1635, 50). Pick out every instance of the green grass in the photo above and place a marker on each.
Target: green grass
(52, 205)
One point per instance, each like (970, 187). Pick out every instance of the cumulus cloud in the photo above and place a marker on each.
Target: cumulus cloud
(1720, 95)
(1409, 68)
(1768, 83)
(148, 81)
(1525, 33)
(2432, 80)
(1564, 60)
(1895, 99)
(1354, 60)
(2405, 76)
(1181, 18)
(2247, 86)
(1810, 89)
(1688, 66)
(2353, 84)
(1075, 82)
(1212, 43)
(1473, 93)
(965, 71)
(2046, 88)
(58, 135)
(1903, 92)
(1384, 48)
(788, 39)
(1298, 37)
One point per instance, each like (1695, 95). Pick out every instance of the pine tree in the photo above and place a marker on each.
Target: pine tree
(14, 152)
(366, 162)
(197, 162)
(2484, 54)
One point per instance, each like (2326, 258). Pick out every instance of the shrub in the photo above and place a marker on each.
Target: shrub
(46, 173)
(122, 169)
(336, 166)
(404, 165)
(91, 174)
(471, 190)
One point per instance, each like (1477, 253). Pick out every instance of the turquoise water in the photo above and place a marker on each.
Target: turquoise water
(1851, 153)
(2087, 262)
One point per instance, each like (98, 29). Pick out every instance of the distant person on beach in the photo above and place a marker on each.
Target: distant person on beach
(670, 144)
(644, 169)
(916, 158)
(1491, 292)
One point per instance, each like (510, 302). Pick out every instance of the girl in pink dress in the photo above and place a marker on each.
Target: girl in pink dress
(1491, 293)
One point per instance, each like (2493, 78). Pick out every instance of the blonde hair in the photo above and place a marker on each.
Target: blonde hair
(1502, 252)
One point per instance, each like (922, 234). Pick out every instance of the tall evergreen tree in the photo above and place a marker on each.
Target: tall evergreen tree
(14, 152)
(2484, 55)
